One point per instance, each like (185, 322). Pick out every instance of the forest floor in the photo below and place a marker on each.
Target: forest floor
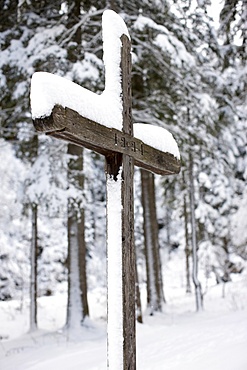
(177, 339)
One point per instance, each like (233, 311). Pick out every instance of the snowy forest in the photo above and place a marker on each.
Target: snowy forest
(189, 76)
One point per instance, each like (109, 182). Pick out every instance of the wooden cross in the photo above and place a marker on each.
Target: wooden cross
(122, 151)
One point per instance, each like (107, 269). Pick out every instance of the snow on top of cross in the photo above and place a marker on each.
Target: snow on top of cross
(47, 90)
(113, 24)
(157, 137)
(113, 27)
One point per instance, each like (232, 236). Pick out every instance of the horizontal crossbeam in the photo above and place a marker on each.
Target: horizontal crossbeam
(67, 124)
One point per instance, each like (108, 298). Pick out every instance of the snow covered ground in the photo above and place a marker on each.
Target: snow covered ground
(178, 339)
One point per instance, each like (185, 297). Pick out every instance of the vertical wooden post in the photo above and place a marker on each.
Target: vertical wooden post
(128, 247)
(121, 292)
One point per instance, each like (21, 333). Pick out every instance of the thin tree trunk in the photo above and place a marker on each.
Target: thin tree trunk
(197, 284)
(75, 314)
(187, 248)
(34, 258)
(138, 300)
(155, 296)
(77, 308)
(155, 242)
(168, 228)
(151, 298)
(82, 262)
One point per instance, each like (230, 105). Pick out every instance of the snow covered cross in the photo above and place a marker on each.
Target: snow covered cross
(103, 123)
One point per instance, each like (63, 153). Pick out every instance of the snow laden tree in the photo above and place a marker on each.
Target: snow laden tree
(179, 87)
(221, 177)
(232, 34)
(37, 44)
(14, 275)
(15, 67)
(45, 188)
(183, 72)
(216, 171)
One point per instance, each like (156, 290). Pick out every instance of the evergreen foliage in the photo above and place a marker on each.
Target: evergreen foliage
(188, 77)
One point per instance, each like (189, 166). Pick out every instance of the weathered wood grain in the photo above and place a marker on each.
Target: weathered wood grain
(128, 245)
(68, 125)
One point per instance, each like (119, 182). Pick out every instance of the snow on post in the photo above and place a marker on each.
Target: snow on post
(120, 217)
(114, 274)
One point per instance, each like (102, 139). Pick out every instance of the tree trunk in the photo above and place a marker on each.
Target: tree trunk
(155, 296)
(33, 145)
(138, 300)
(155, 238)
(77, 308)
(82, 262)
(197, 284)
(187, 248)
(33, 277)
